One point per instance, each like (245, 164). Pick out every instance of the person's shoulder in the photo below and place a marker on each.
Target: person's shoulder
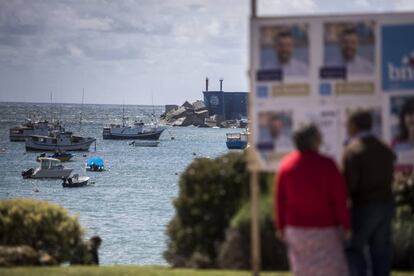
(384, 146)
(288, 161)
(326, 160)
(354, 148)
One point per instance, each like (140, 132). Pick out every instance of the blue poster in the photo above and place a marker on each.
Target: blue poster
(397, 43)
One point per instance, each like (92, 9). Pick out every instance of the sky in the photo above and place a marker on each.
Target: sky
(137, 51)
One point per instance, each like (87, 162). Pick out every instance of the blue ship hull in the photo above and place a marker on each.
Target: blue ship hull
(236, 144)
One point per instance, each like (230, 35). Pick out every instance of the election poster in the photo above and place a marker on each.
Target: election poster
(348, 58)
(321, 69)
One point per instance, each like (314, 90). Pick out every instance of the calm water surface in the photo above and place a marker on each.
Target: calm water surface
(130, 204)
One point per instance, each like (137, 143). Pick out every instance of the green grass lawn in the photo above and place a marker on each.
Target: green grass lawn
(133, 270)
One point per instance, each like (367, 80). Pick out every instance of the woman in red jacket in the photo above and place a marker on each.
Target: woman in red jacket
(311, 208)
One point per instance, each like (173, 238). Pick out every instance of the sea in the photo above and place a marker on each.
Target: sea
(130, 204)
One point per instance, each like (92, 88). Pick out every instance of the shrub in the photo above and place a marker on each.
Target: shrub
(235, 251)
(210, 192)
(41, 225)
(403, 226)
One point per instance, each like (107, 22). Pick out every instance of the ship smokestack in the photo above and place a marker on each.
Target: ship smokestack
(206, 84)
(221, 85)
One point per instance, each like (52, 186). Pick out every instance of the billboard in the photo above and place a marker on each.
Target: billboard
(397, 42)
(321, 68)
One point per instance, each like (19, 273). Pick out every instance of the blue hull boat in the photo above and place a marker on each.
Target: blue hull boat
(236, 144)
(236, 140)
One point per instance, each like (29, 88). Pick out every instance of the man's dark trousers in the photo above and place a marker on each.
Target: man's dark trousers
(369, 251)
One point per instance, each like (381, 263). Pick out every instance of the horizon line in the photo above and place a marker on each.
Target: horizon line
(27, 102)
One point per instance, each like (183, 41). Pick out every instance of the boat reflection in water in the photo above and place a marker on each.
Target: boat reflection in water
(145, 143)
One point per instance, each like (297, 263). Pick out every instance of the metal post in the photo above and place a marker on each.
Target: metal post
(255, 227)
(253, 8)
(254, 183)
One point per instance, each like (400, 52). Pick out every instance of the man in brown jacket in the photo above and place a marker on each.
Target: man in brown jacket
(368, 168)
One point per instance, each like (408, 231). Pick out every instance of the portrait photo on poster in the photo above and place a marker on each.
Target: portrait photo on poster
(402, 130)
(274, 134)
(350, 46)
(284, 52)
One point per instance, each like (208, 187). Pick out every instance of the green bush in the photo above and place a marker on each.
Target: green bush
(210, 192)
(235, 251)
(41, 225)
(403, 226)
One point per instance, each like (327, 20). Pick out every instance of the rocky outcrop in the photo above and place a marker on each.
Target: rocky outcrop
(196, 114)
(186, 115)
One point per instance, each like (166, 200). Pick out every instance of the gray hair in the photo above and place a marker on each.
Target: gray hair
(307, 137)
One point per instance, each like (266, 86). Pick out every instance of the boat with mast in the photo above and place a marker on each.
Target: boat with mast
(60, 140)
(29, 127)
(137, 131)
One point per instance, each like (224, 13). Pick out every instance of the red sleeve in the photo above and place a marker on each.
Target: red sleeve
(340, 199)
(280, 201)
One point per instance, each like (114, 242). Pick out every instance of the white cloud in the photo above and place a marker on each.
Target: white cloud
(132, 46)
(403, 5)
(362, 3)
(275, 7)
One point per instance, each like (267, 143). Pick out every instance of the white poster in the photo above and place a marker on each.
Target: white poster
(322, 68)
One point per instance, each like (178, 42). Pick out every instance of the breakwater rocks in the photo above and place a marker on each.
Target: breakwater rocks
(196, 114)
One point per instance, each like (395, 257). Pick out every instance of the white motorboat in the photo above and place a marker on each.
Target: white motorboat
(75, 181)
(145, 143)
(49, 168)
(20, 133)
(61, 141)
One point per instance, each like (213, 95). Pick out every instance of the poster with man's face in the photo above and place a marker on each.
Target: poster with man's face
(348, 67)
(351, 46)
(285, 49)
(274, 136)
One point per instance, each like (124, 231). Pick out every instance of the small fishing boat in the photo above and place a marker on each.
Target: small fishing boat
(75, 181)
(62, 156)
(28, 128)
(49, 168)
(236, 140)
(137, 131)
(61, 141)
(95, 164)
(145, 143)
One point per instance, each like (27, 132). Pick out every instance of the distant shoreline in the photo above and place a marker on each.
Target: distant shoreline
(48, 103)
